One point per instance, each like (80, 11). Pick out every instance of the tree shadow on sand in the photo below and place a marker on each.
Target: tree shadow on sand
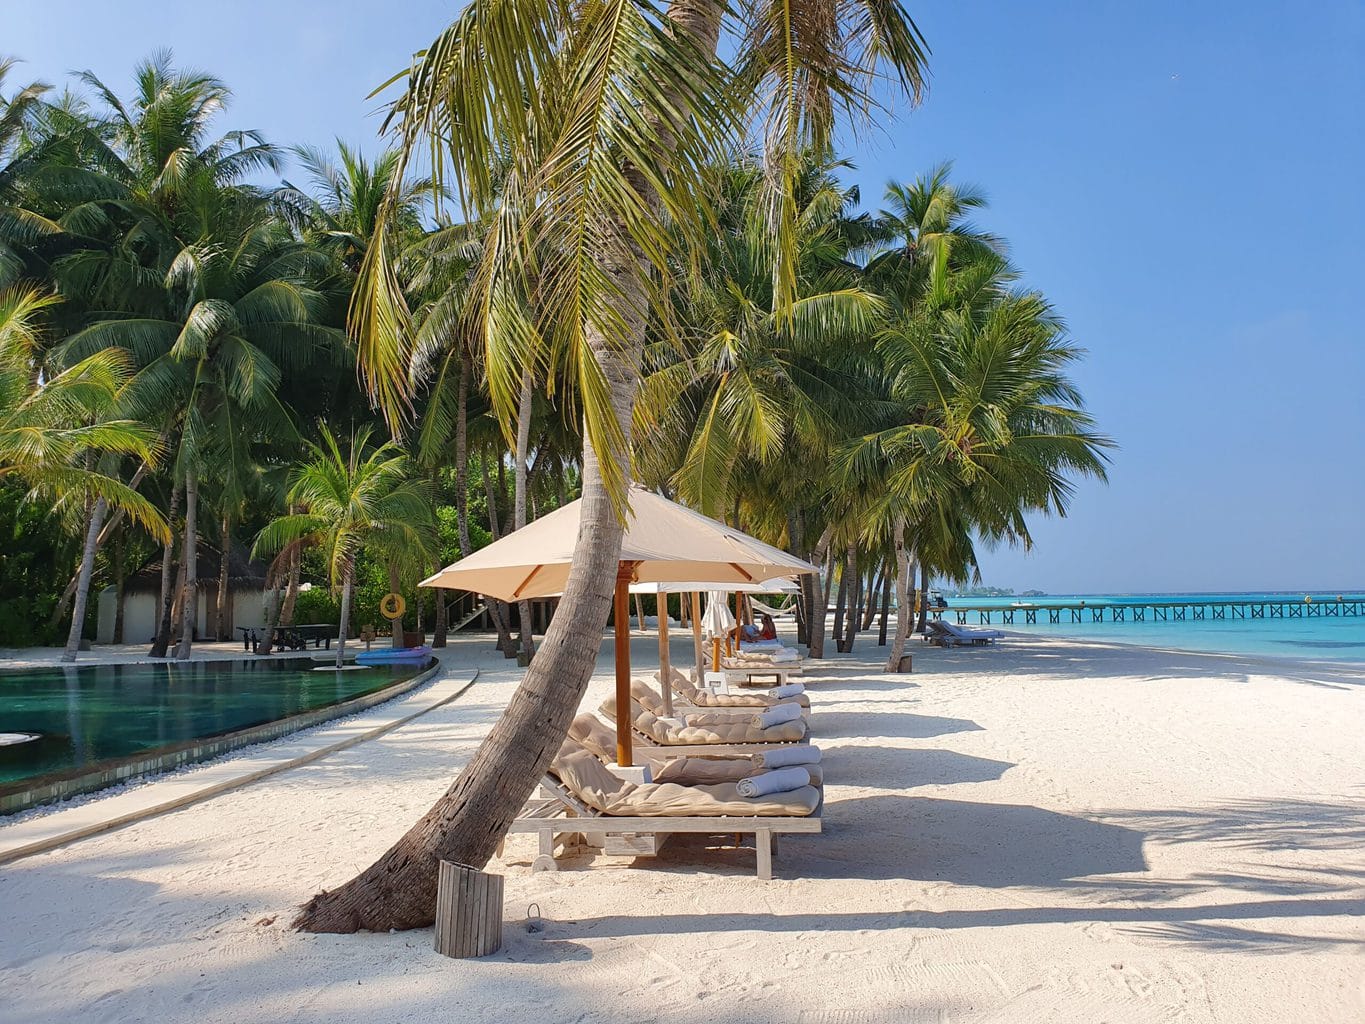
(899, 768)
(890, 724)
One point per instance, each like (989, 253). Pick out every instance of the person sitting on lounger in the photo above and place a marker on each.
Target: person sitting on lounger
(764, 629)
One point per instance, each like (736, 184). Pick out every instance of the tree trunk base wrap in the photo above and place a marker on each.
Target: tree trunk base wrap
(468, 911)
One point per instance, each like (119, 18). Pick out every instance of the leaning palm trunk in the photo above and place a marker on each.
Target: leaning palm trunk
(92, 532)
(905, 609)
(105, 533)
(190, 601)
(468, 822)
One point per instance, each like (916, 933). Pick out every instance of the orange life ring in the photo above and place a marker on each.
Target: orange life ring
(392, 607)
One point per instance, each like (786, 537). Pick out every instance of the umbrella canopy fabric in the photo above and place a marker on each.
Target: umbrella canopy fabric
(717, 621)
(781, 585)
(666, 541)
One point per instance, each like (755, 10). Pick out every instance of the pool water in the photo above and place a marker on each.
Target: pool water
(85, 716)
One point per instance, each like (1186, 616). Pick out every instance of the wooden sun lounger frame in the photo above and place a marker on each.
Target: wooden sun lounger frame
(546, 818)
(745, 676)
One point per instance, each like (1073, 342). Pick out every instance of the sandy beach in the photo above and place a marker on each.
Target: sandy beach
(1046, 831)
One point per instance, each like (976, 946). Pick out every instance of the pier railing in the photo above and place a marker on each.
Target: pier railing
(1152, 611)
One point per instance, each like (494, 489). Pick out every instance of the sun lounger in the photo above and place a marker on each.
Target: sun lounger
(651, 731)
(703, 698)
(594, 735)
(948, 635)
(634, 819)
(648, 698)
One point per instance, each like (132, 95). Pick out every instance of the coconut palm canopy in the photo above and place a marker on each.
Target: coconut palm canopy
(666, 542)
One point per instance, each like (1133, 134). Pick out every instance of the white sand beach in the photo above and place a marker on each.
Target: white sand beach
(1047, 831)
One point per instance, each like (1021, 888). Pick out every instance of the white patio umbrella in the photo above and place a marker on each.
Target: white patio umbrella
(780, 585)
(664, 542)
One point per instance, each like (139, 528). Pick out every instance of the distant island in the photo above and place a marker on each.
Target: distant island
(997, 592)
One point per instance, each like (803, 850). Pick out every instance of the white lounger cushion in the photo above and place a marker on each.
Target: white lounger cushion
(742, 730)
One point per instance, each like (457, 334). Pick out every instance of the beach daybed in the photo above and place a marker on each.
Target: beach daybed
(948, 635)
(700, 697)
(680, 736)
(583, 796)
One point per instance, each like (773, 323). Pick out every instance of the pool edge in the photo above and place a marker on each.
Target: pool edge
(194, 751)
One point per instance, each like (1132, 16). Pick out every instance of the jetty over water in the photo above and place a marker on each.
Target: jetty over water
(1027, 613)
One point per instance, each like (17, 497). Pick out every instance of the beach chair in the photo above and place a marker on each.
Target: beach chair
(596, 736)
(648, 698)
(651, 733)
(743, 671)
(700, 697)
(948, 635)
(582, 796)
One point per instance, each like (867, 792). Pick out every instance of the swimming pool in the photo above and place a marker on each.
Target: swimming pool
(73, 729)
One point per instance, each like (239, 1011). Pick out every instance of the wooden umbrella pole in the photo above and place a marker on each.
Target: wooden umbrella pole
(621, 629)
(665, 683)
(715, 654)
(696, 637)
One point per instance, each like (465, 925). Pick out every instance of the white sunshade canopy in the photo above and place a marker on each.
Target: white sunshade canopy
(668, 542)
(781, 585)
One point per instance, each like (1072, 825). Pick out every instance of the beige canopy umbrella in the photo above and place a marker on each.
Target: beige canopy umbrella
(664, 542)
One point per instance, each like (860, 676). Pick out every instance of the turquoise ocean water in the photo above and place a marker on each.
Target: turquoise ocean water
(1316, 639)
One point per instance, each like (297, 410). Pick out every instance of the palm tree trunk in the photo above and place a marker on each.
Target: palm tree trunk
(69, 593)
(344, 629)
(291, 590)
(839, 610)
(162, 642)
(870, 613)
(904, 608)
(224, 601)
(92, 532)
(440, 627)
(498, 611)
(467, 823)
(924, 599)
(519, 498)
(887, 581)
(817, 591)
(855, 594)
(120, 581)
(190, 607)
(462, 457)
(396, 625)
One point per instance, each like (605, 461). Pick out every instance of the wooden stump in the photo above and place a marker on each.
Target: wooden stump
(468, 911)
(906, 662)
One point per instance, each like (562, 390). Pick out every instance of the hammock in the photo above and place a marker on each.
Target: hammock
(788, 607)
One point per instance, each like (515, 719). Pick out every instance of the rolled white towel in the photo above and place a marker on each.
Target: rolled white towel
(782, 781)
(784, 654)
(785, 757)
(787, 690)
(777, 714)
(672, 724)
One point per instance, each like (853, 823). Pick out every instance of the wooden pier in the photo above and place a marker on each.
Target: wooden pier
(1028, 614)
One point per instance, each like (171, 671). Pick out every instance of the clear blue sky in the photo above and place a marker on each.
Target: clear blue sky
(1183, 180)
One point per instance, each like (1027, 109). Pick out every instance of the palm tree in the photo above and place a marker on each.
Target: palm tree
(54, 432)
(991, 429)
(360, 499)
(211, 294)
(583, 140)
